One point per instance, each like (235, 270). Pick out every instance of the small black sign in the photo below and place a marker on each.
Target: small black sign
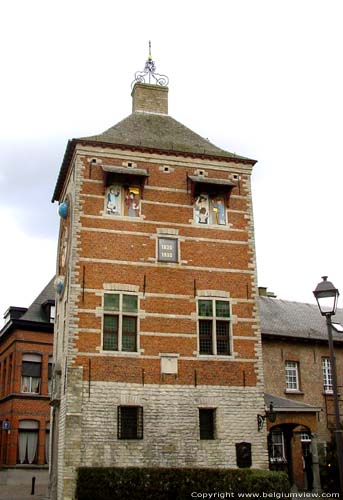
(167, 250)
(243, 454)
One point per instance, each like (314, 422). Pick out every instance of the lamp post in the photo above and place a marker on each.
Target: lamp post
(327, 296)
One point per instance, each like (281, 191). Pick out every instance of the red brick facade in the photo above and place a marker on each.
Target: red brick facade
(17, 406)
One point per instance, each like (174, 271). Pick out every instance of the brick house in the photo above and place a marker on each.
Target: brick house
(157, 341)
(298, 382)
(26, 343)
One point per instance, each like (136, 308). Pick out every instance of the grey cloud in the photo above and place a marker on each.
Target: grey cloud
(28, 173)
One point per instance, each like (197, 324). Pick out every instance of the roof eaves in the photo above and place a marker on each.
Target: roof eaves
(171, 152)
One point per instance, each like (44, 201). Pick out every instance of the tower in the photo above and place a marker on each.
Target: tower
(157, 342)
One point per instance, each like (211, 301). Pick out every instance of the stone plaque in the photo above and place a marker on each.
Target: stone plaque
(243, 454)
(167, 250)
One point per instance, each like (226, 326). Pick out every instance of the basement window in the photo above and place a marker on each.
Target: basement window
(130, 422)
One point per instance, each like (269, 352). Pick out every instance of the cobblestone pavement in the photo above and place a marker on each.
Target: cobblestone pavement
(22, 492)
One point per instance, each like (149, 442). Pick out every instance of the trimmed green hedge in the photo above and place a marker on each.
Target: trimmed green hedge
(136, 483)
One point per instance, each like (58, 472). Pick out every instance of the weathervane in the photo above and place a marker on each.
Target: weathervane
(149, 70)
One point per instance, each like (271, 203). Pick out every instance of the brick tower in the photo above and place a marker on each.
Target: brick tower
(157, 343)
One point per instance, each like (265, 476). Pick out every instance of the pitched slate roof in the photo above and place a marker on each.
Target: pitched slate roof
(283, 404)
(159, 131)
(283, 318)
(36, 312)
(149, 132)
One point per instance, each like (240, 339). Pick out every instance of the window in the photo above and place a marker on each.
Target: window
(292, 376)
(130, 422)
(305, 443)
(31, 373)
(214, 331)
(50, 365)
(210, 209)
(277, 447)
(52, 314)
(327, 375)
(47, 438)
(167, 250)
(120, 322)
(122, 200)
(207, 422)
(27, 441)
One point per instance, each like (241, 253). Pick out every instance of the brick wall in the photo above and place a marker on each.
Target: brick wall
(120, 253)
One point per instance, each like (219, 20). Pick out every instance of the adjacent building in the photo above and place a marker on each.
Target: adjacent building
(157, 348)
(298, 382)
(26, 346)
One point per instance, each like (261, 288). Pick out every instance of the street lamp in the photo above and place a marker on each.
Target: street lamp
(327, 296)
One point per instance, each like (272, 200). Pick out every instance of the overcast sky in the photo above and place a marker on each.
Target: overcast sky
(259, 78)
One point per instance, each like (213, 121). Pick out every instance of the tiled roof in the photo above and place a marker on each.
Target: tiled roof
(295, 320)
(36, 312)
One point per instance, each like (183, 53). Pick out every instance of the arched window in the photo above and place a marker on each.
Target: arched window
(28, 441)
(31, 373)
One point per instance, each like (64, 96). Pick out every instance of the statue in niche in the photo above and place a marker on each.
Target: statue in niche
(201, 209)
(132, 202)
(113, 201)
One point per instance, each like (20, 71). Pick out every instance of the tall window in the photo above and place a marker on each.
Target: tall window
(292, 376)
(207, 423)
(50, 364)
(47, 439)
(214, 327)
(31, 373)
(120, 322)
(27, 442)
(327, 375)
(121, 200)
(277, 446)
(130, 422)
(210, 209)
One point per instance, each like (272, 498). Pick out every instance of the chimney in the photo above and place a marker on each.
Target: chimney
(14, 313)
(147, 98)
(263, 292)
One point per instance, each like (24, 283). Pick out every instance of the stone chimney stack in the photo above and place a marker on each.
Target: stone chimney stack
(147, 98)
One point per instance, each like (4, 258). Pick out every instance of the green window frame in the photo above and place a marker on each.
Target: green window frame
(214, 317)
(120, 322)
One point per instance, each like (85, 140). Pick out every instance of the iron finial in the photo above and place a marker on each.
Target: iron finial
(150, 71)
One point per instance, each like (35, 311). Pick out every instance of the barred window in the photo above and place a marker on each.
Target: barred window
(214, 327)
(292, 375)
(120, 322)
(207, 423)
(130, 422)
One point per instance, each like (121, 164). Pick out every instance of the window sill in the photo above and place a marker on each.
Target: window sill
(120, 353)
(216, 357)
(294, 391)
(123, 217)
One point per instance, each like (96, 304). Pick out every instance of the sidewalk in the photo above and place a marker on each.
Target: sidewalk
(22, 492)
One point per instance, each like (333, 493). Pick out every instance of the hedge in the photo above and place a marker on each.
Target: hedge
(136, 483)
